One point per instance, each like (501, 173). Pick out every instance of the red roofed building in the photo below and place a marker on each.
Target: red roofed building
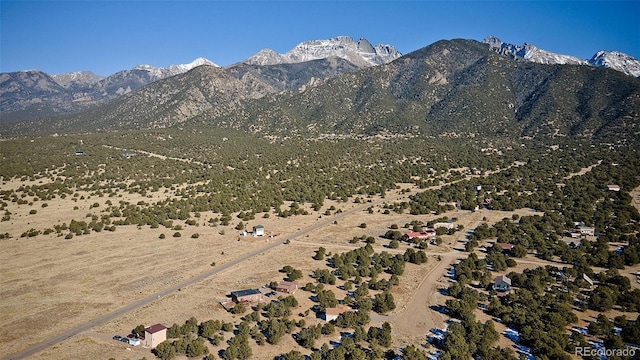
(154, 335)
(426, 234)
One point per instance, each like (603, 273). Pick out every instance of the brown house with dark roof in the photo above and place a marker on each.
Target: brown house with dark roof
(505, 246)
(154, 335)
(247, 295)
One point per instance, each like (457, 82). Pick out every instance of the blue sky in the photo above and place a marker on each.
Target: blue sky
(109, 36)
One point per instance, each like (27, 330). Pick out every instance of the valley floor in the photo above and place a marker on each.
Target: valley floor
(51, 284)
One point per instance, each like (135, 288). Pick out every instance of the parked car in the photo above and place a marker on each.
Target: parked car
(124, 340)
(117, 337)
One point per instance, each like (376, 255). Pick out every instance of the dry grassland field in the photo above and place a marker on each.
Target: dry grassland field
(49, 284)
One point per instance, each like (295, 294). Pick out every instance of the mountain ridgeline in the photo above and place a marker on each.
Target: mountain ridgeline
(453, 88)
(456, 87)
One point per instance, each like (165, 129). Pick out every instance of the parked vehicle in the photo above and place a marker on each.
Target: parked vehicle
(117, 337)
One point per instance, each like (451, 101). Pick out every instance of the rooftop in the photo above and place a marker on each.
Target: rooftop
(287, 285)
(245, 292)
(155, 328)
(336, 310)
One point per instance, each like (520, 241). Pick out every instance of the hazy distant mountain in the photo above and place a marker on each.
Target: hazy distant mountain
(77, 79)
(613, 60)
(28, 94)
(176, 99)
(293, 76)
(360, 53)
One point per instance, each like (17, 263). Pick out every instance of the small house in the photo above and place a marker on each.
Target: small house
(505, 246)
(586, 230)
(502, 284)
(258, 230)
(613, 187)
(424, 234)
(154, 335)
(332, 313)
(446, 225)
(247, 296)
(588, 280)
(288, 287)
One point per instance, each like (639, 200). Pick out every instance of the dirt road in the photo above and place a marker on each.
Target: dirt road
(417, 300)
(148, 299)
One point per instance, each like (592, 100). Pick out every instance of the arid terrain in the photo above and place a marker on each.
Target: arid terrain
(50, 284)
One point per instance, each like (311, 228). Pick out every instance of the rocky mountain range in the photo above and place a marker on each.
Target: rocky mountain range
(33, 93)
(613, 60)
(360, 53)
(450, 88)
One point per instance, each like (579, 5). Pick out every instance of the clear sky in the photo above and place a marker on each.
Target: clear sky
(108, 36)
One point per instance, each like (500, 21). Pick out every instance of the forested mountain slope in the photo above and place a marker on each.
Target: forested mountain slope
(454, 88)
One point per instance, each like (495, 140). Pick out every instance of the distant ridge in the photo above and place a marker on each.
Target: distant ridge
(33, 93)
(613, 60)
(453, 88)
(171, 70)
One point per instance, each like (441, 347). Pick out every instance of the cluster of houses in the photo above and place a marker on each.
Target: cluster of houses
(249, 296)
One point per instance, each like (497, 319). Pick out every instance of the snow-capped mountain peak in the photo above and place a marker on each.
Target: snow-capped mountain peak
(614, 60)
(171, 70)
(360, 53)
(530, 52)
(617, 61)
